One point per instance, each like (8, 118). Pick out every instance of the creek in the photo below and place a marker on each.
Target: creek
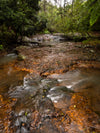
(22, 93)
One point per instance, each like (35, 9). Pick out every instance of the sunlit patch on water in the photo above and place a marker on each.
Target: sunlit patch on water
(55, 98)
(69, 86)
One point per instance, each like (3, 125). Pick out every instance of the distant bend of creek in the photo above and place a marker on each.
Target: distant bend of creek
(28, 102)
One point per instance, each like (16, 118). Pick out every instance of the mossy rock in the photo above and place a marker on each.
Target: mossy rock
(21, 57)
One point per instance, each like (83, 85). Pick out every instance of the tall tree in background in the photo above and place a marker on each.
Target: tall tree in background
(77, 16)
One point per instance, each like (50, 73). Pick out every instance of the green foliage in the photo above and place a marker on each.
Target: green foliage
(7, 35)
(26, 114)
(81, 16)
(46, 32)
(41, 24)
(91, 41)
(1, 47)
(49, 14)
(19, 17)
(94, 10)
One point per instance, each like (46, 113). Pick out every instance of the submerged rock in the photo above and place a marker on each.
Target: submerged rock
(60, 96)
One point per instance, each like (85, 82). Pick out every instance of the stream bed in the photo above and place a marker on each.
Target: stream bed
(30, 103)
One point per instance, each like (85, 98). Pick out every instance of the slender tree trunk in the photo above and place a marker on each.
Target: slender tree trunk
(72, 6)
(72, 14)
(64, 6)
(44, 6)
(88, 34)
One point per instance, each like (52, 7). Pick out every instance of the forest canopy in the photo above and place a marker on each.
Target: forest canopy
(78, 16)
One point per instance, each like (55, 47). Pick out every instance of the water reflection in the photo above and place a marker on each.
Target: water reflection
(9, 78)
(7, 58)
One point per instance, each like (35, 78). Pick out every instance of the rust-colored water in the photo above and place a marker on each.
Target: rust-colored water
(9, 78)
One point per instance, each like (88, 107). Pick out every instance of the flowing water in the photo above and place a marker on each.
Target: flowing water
(22, 93)
(86, 81)
(9, 78)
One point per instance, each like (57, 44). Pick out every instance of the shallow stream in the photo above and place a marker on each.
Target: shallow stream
(22, 93)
